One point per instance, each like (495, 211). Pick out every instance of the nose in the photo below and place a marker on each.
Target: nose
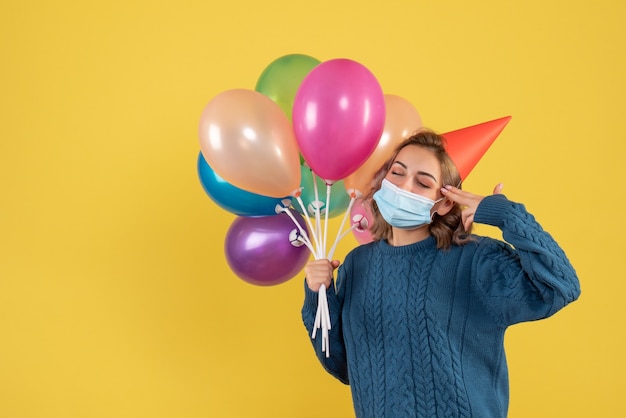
(406, 184)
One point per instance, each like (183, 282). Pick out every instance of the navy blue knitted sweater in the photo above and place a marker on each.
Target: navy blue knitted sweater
(418, 331)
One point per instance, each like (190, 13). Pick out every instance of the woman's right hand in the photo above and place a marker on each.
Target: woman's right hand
(320, 272)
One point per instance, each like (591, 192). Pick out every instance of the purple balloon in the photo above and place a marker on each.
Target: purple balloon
(264, 250)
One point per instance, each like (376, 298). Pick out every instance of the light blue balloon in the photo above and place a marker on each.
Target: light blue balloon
(233, 199)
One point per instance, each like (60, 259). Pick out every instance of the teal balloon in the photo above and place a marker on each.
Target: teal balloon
(233, 199)
(339, 198)
(281, 79)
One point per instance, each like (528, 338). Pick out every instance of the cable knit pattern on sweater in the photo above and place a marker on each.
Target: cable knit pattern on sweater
(418, 332)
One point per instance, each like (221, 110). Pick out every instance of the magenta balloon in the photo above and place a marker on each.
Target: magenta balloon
(338, 117)
(263, 251)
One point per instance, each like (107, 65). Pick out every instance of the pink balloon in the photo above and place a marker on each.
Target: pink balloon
(338, 117)
(362, 217)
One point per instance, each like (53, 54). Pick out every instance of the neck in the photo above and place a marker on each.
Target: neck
(406, 237)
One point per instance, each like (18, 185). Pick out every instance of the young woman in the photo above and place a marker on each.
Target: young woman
(418, 316)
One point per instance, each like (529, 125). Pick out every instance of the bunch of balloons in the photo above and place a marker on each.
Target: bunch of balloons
(303, 144)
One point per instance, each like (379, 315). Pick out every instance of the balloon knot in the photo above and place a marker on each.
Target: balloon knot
(297, 193)
(355, 194)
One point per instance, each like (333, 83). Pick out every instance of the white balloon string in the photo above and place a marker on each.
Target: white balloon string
(313, 231)
(327, 207)
(325, 327)
(318, 221)
(339, 238)
(322, 300)
(322, 316)
(322, 320)
(343, 222)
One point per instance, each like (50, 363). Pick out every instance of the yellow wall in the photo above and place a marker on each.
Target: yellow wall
(115, 298)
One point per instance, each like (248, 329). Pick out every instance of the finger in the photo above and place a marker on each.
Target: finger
(451, 193)
(314, 286)
(315, 283)
(498, 188)
(458, 196)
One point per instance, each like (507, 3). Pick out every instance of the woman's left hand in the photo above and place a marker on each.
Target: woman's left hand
(468, 201)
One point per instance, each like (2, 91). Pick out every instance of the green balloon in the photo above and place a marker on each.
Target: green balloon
(282, 77)
(339, 198)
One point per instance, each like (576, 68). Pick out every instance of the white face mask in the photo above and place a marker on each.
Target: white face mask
(402, 209)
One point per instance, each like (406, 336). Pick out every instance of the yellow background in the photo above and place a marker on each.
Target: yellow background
(115, 297)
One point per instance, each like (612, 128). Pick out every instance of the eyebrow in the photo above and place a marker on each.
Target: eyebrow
(419, 173)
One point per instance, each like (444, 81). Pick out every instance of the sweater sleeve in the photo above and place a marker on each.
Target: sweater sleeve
(336, 363)
(528, 277)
